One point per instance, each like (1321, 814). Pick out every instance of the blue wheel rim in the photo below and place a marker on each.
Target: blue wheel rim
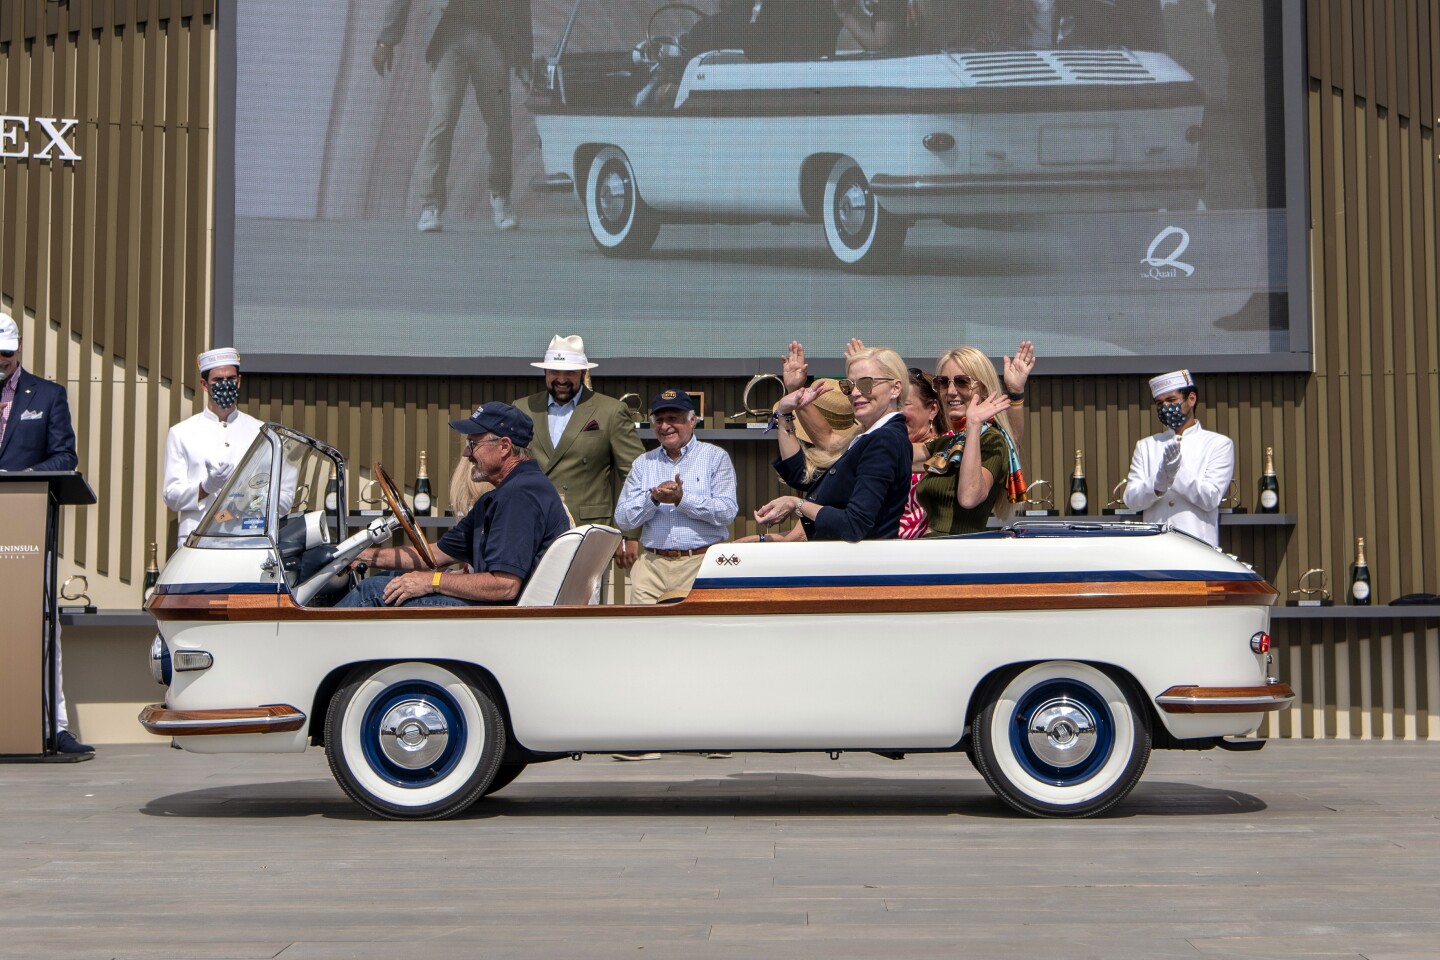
(1084, 695)
(370, 734)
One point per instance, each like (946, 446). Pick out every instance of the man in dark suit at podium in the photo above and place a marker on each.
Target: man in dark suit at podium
(35, 434)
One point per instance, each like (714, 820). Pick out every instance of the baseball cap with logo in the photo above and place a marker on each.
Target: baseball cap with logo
(9, 332)
(671, 400)
(501, 419)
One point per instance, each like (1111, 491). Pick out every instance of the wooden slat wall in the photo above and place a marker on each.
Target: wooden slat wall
(113, 254)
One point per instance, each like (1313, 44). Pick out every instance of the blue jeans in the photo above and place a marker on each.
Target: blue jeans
(371, 593)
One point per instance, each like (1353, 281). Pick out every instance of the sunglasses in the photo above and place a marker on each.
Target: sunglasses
(7, 354)
(960, 380)
(863, 386)
(921, 379)
(471, 443)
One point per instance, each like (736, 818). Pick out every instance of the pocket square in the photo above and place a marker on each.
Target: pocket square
(592, 425)
(33, 415)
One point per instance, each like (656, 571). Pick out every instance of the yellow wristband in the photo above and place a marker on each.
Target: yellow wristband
(435, 580)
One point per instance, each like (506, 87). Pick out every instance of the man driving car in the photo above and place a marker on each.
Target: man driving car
(501, 538)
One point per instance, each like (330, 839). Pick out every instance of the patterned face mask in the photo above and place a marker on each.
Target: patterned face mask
(224, 393)
(1172, 415)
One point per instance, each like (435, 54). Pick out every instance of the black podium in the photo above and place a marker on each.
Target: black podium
(30, 502)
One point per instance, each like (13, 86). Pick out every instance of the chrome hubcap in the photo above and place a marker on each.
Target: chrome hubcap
(1061, 732)
(413, 734)
(613, 195)
(852, 209)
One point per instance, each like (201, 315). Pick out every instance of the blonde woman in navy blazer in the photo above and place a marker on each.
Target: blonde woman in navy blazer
(861, 496)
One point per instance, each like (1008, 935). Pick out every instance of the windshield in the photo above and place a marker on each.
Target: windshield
(242, 507)
(309, 481)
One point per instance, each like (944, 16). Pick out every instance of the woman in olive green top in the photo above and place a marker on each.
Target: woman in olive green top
(966, 472)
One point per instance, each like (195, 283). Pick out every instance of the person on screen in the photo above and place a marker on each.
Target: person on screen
(912, 26)
(469, 45)
(201, 452)
(36, 434)
(767, 29)
(1179, 475)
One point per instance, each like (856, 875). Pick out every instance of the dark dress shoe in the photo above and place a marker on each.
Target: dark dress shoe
(66, 742)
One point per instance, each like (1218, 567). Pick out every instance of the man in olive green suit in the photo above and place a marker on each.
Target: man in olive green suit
(585, 442)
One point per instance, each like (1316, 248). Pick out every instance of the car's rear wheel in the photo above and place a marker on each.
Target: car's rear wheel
(1061, 739)
(620, 222)
(413, 741)
(861, 233)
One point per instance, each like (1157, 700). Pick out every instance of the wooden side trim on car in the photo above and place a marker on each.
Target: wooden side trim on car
(1191, 699)
(271, 718)
(766, 600)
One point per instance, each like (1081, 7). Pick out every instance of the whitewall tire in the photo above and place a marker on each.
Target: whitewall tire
(861, 233)
(1061, 739)
(413, 741)
(620, 222)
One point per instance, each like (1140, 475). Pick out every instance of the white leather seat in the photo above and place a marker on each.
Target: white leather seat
(570, 570)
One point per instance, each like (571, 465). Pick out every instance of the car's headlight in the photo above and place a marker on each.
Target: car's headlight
(160, 662)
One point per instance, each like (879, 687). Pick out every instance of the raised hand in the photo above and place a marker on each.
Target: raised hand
(983, 408)
(794, 369)
(853, 347)
(803, 397)
(1017, 371)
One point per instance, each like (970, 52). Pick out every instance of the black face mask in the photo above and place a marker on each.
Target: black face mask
(1172, 415)
(224, 393)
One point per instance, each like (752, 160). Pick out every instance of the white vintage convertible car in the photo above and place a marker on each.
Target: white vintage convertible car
(1056, 656)
(866, 144)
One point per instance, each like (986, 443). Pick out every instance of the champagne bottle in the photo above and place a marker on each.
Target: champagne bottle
(332, 495)
(422, 498)
(1360, 576)
(1079, 493)
(152, 572)
(1269, 486)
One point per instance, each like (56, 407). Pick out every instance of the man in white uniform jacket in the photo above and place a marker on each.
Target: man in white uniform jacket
(1180, 475)
(201, 452)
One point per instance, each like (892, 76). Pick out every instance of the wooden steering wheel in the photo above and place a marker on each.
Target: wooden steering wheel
(397, 506)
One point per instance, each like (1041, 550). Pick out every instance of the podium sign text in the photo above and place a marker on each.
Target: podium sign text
(22, 585)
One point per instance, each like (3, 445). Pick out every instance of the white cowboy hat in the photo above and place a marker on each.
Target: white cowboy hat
(565, 353)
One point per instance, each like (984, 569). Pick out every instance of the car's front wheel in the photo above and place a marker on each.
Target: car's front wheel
(861, 233)
(413, 741)
(1061, 739)
(620, 222)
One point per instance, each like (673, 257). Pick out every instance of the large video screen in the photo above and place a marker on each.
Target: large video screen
(409, 186)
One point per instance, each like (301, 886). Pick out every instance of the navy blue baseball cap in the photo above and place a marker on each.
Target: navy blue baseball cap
(671, 400)
(501, 419)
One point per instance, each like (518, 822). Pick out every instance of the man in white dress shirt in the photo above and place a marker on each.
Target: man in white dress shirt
(1179, 476)
(680, 496)
(201, 452)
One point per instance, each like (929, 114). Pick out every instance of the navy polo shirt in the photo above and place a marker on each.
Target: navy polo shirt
(511, 526)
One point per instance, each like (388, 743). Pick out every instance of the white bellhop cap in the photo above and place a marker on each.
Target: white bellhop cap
(565, 353)
(1163, 384)
(219, 357)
